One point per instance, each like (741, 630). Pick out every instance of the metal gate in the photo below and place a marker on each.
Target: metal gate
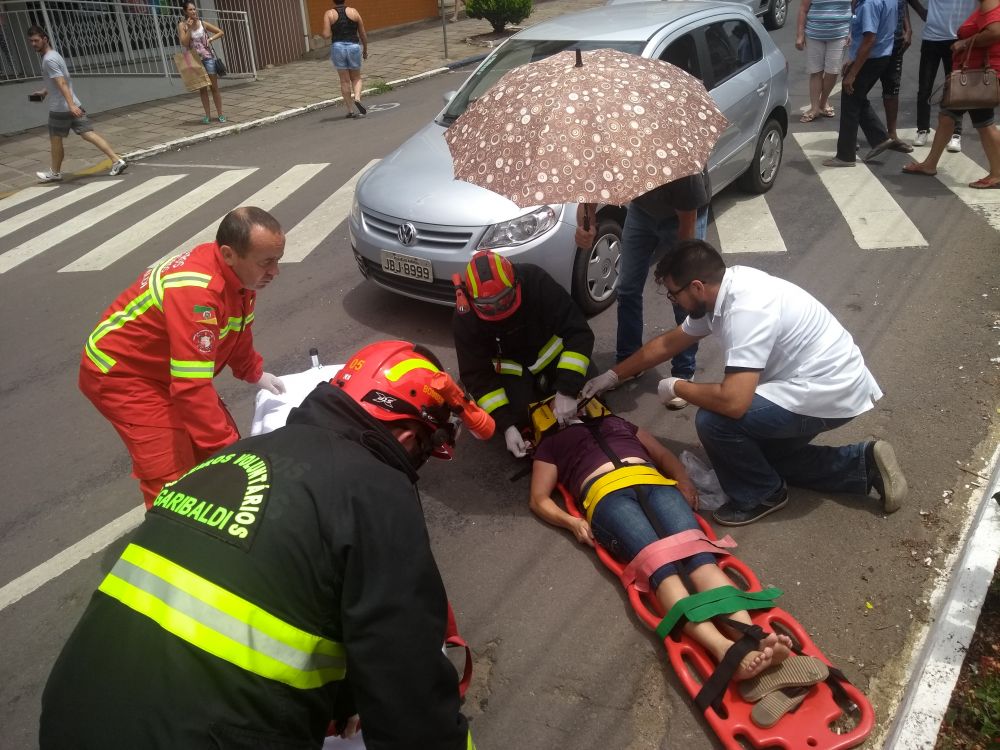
(278, 28)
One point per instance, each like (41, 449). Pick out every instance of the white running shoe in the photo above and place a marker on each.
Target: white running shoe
(955, 144)
(921, 139)
(118, 167)
(49, 176)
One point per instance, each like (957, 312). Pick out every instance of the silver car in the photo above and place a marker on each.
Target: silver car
(413, 226)
(773, 13)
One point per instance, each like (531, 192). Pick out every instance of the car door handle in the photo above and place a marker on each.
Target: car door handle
(762, 88)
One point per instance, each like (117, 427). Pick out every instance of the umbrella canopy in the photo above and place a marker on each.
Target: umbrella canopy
(592, 127)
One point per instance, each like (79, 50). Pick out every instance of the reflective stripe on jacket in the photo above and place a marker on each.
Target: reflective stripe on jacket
(163, 339)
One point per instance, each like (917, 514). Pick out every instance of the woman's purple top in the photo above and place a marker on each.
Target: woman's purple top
(576, 455)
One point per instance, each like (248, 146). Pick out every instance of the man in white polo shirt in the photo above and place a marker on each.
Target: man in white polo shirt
(792, 372)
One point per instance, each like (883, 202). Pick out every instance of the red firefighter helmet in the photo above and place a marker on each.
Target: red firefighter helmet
(492, 286)
(391, 380)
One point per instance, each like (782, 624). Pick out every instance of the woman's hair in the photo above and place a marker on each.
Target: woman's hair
(184, 6)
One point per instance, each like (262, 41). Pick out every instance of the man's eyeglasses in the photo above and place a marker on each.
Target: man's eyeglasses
(661, 288)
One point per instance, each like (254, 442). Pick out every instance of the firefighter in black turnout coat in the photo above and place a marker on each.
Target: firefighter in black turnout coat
(284, 582)
(520, 338)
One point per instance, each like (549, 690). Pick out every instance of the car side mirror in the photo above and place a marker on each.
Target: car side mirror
(449, 95)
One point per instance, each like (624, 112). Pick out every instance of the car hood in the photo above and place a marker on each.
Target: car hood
(416, 182)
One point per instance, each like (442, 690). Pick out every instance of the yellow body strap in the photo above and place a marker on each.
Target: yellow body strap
(619, 479)
(221, 623)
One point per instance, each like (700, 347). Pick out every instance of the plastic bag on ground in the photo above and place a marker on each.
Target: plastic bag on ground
(710, 494)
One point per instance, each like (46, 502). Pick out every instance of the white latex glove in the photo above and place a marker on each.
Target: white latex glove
(515, 443)
(598, 385)
(564, 408)
(272, 383)
(666, 389)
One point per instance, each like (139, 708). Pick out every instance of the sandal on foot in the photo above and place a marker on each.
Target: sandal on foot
(903, 148)
(795, 671)
(985, 183)
(206, 120)
(912, 169)
(773, 706)
(828, 111)
(809, 117)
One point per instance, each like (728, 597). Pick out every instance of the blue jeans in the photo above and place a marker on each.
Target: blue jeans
(621, 527)
(642, 236)
(769, 446)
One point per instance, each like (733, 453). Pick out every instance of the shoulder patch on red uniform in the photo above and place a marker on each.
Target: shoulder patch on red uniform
(205, 314)
(204, 340)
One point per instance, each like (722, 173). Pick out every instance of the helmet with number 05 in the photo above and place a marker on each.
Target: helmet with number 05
(492, 286)
(395, 381)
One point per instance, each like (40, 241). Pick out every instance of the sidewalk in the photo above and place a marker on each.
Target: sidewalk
(394, 56)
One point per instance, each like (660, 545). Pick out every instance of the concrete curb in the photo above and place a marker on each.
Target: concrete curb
(270, 119)
(935, 669)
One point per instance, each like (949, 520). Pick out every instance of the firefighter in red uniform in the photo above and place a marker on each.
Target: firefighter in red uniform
(284, 582)
(149, 364)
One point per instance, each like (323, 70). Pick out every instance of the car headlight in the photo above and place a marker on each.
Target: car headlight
(520, 230)
(356, 210)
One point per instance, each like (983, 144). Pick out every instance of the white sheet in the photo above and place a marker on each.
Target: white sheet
(270, 411)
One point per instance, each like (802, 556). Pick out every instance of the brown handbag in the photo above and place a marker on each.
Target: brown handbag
(971, 89)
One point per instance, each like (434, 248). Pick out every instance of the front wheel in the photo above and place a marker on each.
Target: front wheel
(595, 272)
(763, 171)
(775, 17)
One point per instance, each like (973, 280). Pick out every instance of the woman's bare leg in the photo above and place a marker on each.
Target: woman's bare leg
(203, 91)
(672, 590)
(216, 95)
(345, 89)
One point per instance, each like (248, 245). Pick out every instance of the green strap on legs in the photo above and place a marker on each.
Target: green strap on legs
(724, 600)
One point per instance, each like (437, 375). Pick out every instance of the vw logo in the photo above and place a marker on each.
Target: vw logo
(407, 234)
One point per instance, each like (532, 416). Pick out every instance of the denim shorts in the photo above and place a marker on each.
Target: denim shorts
(209, 63)
(981, 118)
(346, 55)
(621, 527)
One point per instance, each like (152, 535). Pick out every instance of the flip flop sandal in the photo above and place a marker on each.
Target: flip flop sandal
(903, 148)
(828, 112)
(985, 183)
(918, 172)
(808, 117)
(795, 671)
(774, 705)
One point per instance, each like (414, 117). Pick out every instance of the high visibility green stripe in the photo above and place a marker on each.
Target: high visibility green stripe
(574, 361)
(234, 324)
(127, 314)
(180, 368)
(508, 367)
(176, 280)
(493, 400)
(548, 353)
(156, 283)
(471, 745)
(221, 623)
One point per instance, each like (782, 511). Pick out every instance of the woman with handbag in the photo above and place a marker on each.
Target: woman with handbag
(198, 35)
(974, 55)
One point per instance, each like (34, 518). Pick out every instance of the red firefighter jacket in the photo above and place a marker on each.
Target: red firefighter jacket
(159, 345)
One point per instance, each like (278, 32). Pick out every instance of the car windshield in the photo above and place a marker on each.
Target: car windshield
(518, 52)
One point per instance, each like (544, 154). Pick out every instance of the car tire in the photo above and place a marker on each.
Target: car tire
(595, 272)
(776, 15)
(763, 171)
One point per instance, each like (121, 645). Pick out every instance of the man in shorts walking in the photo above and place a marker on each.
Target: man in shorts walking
(65, 111)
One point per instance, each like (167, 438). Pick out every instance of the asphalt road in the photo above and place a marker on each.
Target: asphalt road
(561, 661)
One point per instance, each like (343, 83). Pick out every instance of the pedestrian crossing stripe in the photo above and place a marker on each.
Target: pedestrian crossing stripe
(122, 244)
(955, 172)
(874, 217)
(744, 223)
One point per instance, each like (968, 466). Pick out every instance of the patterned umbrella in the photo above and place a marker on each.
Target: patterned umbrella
(594, 127)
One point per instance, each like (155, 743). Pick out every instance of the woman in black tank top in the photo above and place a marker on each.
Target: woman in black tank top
(346, 30)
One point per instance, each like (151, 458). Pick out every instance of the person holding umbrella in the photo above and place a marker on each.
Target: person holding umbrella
(655, 220)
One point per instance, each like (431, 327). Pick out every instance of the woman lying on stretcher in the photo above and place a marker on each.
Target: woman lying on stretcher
(575, 457)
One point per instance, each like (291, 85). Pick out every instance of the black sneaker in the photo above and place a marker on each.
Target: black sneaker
(730, 515)
(884, 475)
